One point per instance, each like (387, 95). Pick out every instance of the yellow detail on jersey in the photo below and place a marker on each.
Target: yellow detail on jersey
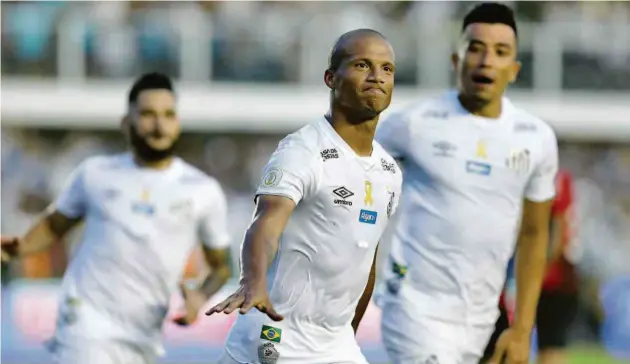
(481, 150)
(369, 201)
(145, 195)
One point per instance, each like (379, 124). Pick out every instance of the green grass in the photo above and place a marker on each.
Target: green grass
(594, 355)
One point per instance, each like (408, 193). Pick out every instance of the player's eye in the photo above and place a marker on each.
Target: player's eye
(388, 68)
(361, 65)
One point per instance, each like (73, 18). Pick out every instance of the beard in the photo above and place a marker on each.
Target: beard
(146, 152)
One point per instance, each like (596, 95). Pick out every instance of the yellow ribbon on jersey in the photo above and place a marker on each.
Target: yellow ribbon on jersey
(368, 194)
(481, 150)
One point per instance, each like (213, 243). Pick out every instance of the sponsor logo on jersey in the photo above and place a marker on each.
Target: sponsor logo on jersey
(524, 127)
(330, 153)
(344, 194)
(519, 160)
(271, 333)
(143, 208)
(435, 114)
(483, 169)
(367, 217)
(272, 177)
(444, 149)
(267, 353)
(387, 166)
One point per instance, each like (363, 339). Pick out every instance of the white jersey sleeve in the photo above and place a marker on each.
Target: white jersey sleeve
(213, 222)
(292, 172)
(393, 134)
(541, 185)
(72, 202)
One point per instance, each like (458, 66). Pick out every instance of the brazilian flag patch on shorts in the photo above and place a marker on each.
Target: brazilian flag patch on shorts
(271, 334)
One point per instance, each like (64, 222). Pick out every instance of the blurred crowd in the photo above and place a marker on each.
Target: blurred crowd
(36, 163)
(270, 41)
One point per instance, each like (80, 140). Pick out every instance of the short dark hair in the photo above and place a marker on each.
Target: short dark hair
(338, 53)
(150, 81)
(491, 13)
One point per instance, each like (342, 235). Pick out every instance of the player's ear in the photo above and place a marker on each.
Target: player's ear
(124, 125)
(516, 68)
(454, 60)
(329, 79)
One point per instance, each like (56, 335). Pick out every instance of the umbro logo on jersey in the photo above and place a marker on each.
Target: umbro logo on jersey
(344, 194)
(329, 154)
(444, 149)
(388, 167)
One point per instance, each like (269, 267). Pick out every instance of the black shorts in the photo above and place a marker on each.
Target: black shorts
(502, 324)
(556, 312)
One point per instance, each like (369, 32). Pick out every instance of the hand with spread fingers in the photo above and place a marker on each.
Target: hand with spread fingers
(245, 298)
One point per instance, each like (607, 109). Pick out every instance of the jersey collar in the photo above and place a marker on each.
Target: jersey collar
(506, 110)
(330, 133)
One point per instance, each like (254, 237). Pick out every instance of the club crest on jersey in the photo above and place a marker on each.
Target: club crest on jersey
(330, 153)
(387, 166)
(390, 204)
(343, 193)
(519, 160)
(483, 169)
(267, 353)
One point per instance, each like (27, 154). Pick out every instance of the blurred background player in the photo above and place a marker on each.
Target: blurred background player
(327, 194)
(558, 302)
(475, 166)
(144, 212)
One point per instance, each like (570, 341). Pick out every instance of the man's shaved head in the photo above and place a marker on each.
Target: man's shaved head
(360, 73)
(339, 51)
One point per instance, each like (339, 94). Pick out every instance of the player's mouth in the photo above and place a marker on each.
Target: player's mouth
(374, 91)
(482, 80)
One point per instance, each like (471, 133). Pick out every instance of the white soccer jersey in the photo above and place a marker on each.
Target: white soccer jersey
(140, 226)
(465, 181)
(343, 204)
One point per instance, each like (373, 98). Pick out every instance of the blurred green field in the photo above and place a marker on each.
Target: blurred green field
(586, 355)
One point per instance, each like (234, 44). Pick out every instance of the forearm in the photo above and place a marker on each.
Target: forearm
(531, 262)
(39, 237)
(257, 253)
(214, 281)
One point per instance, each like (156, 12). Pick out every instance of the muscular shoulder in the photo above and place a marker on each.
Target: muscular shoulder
(304, 146)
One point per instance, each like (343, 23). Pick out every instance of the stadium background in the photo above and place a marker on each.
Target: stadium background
(250, 72)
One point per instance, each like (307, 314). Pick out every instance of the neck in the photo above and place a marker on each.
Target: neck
(158, 164)
(358, 132)
(491, 109)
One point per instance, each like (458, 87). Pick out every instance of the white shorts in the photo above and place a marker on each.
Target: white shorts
(411, 338)
(83, 351)
(227, 359)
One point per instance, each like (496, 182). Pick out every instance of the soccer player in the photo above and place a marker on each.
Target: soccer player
(325, 198)
(479, 175)
(557, 306)
(144, 211)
